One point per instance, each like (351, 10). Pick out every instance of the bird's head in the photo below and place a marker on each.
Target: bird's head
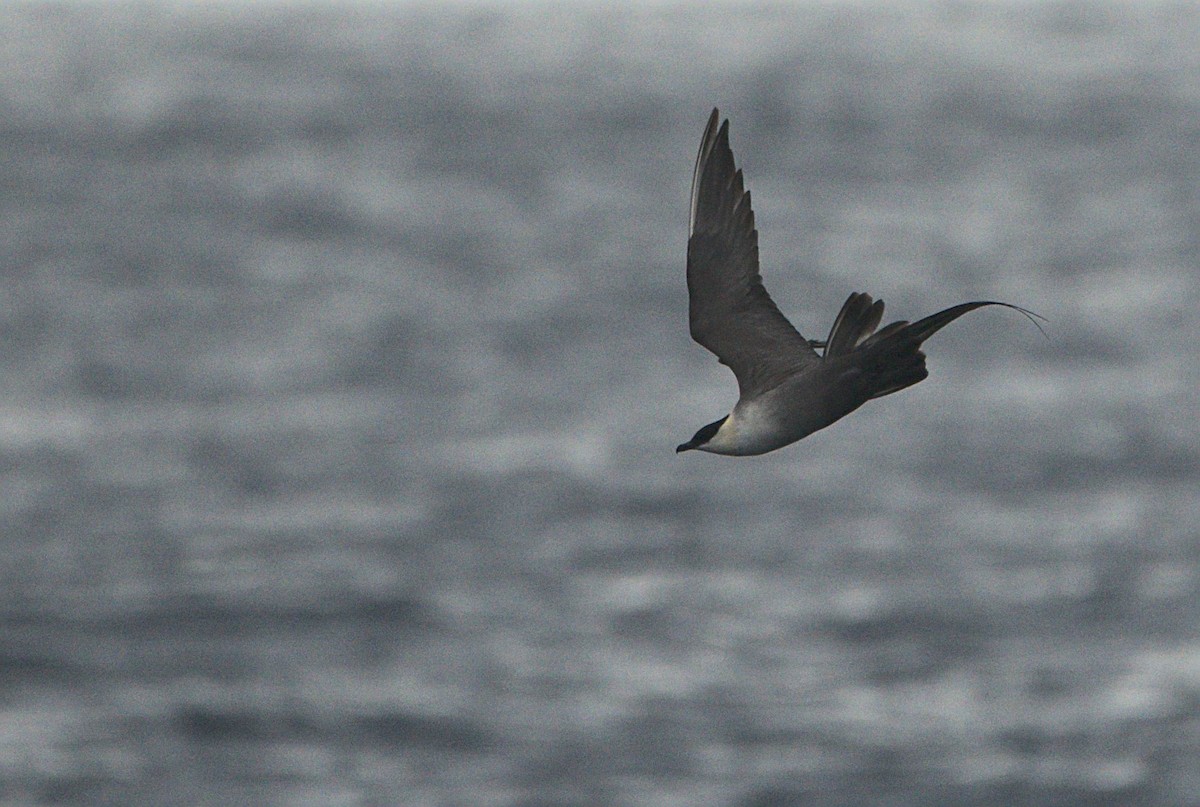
(702, 437)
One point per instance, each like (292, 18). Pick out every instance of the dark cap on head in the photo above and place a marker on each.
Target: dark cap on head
(703, 436)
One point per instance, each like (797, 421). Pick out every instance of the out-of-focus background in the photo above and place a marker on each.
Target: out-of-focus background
(344, 354)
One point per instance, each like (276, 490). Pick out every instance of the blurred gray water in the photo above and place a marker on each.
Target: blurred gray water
(344, 353)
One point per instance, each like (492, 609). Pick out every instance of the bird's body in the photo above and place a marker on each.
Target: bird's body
(797, 407)
(788, 391)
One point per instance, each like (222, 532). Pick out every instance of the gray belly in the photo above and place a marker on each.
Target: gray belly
(799, 407)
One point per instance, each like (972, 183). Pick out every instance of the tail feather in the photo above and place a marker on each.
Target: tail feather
(899, 364)
(884, 332)
(925, 328)
(892, 355)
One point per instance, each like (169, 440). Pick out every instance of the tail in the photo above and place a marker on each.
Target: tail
(892, 354)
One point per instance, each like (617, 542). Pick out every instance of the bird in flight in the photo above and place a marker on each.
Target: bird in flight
(786, 390)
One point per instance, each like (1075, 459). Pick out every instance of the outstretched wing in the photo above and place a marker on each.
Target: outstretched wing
(729, 311)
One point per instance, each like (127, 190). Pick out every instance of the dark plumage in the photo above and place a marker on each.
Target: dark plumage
(787, 390)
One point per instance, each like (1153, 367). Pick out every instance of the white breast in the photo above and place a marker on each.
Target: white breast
(749, 429)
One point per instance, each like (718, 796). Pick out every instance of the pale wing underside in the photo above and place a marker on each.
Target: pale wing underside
(730, 312)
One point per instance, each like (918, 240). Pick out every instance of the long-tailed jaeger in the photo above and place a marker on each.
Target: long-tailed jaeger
(787, 390)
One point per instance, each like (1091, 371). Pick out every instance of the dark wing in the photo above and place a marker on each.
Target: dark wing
(729, 311)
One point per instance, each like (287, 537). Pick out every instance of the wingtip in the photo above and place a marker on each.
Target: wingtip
(714, 129)
(711, 135)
